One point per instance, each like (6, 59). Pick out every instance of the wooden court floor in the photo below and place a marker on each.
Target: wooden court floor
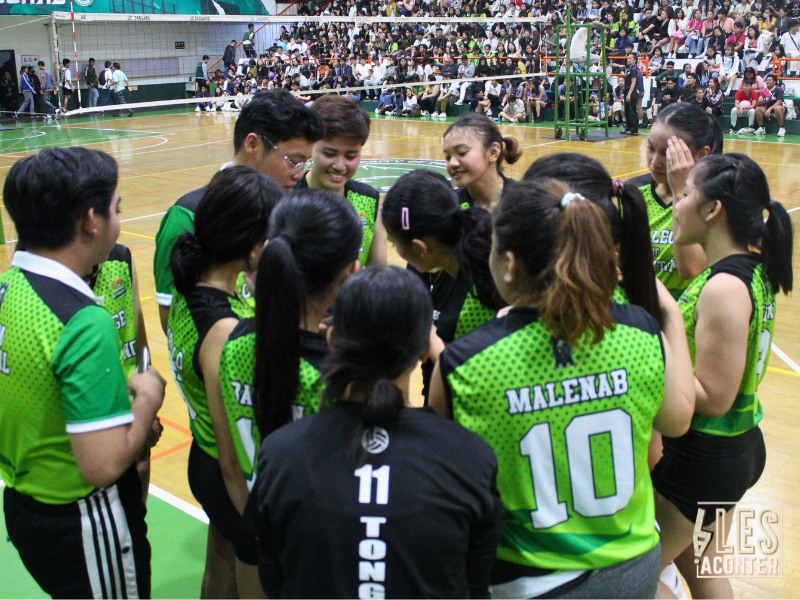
(164, 155)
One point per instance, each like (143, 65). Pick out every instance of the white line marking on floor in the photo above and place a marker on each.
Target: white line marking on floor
(142, 217)
(180, 504)
(786, 358)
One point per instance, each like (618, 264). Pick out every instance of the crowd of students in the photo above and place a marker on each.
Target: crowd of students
(570, 362)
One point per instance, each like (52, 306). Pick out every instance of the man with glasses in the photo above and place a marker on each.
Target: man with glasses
(274, 134)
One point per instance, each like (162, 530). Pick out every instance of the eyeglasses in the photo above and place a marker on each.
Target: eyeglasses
(296, 167)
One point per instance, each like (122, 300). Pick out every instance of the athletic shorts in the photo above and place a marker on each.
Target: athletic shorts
(709, 468)
(95, 547)
(208, 486)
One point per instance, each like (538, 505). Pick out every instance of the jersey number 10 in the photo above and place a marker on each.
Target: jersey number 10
(537, 445)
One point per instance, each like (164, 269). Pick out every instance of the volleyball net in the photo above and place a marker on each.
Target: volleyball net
(161, 55)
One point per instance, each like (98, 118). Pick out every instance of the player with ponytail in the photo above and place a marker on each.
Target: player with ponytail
(371, 496)
(429, 229)
(567, 388)
(729, 313)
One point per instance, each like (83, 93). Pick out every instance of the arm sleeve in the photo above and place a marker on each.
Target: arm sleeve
(94, 393)
(175, 222)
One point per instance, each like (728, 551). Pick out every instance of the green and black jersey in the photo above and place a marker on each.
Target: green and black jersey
(179, 219)
(59, 375)
(191, 317)
(113, 285)
(237, 373)
(746, 411)
(365, 199)
(660, 217)
(570, 427)
(465, 199)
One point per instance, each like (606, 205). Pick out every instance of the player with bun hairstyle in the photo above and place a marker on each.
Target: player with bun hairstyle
(408, 501)
(686, 130)
(475, 151)
(270, 366)
(624, 206)
(729, 312)
(229, 230)
(436, 236)
(335, 162)
(567, 388)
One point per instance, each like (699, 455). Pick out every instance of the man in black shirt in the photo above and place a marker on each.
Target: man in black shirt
(632, 94)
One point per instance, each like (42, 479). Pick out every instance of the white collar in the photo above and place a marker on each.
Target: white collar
(52, 269)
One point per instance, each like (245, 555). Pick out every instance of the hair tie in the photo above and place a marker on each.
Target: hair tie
(569, 197)
(619, 187)
(405, 221)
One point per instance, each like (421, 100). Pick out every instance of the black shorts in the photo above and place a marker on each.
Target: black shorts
(208, 486)
(709, 468)
(95, 547)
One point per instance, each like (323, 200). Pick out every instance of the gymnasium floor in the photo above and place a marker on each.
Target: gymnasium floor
(164, 155)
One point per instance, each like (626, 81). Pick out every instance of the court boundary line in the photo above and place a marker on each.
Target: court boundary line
(178, 503)
(786, 358)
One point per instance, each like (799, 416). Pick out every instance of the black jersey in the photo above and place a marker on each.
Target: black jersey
(411, 512)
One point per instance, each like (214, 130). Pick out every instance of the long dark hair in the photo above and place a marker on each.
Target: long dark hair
(489, 133)
(567, 249)
(628, 219)
(313, 236)
(230, 220)
(696, 127)
(423, 204)
(740, 185)
(382, 320)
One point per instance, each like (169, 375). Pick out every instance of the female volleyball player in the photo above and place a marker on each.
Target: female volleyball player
(567, 388)
(435, 235)
(624, 207)
(729, 311)
(270, 366)
(475, 151)
(230, 228)
(684, 126)
(335, 161)
(370, 497)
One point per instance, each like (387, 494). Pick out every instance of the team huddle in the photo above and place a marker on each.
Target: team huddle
(591, 351)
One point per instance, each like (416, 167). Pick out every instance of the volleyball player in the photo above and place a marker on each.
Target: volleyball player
(371, 498)
(114, 281)
(624, 207)
(567, 388)
(335, 161)
(69, 432)
(230, 228)
(270, 366)
(680, 126)
(475, 150)
(429, 229)
(729, 311)
(274, 134)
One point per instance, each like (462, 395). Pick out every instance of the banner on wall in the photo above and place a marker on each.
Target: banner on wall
(150, 7)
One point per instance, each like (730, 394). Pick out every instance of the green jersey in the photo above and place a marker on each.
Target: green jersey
(179, 219)
(237, 373)
(746, 411)
(660, 217)
(190, 319)
(365, 199)
(570, 427)
(113, 284)
(59, 375)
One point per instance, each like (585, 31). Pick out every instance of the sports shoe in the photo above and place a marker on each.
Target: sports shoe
(442, 115)
(196, 109)
(760, 131)
(745, 131)
(425, 113)
(459, 103)
(781, 132)
(377, 111)
(732, 131)
(434, 115)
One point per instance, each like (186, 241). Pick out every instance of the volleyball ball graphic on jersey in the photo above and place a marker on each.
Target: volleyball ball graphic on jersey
(375, 440)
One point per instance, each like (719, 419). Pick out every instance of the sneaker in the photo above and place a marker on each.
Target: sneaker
(425, 113)
(197, 109)
(781, 132)
(442, 115)
(434, 115)
(760, 131)
(377, 111)
(459, 103)
(48, 118)
(732, 131)
(745, 131)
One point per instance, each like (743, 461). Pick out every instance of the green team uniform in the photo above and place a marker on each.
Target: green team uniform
(746, 411)
(660, 217)
(570, 428)
(190, 319)
(59, 375)
(179, 219)
(365, 199)
(237, 372)
(113, 284)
